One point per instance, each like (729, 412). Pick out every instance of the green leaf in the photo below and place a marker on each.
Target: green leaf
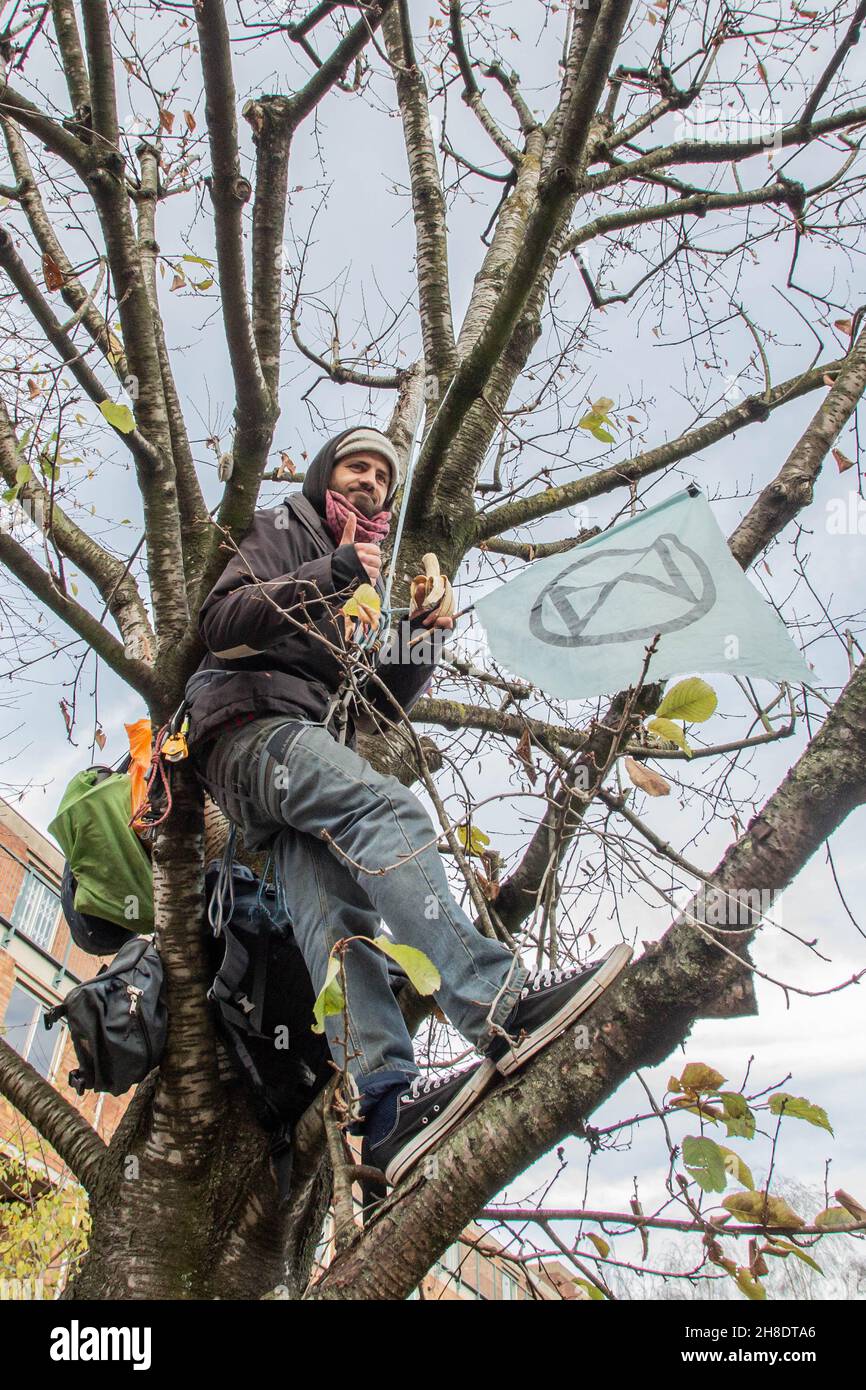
(330, 999)
(420, 968)
(749, 1285)
(738, 1117)
(691, 700)
(365, 596)
(595, 1294)
(600, 1244)
(834, 1219)
(737, 1169)
(800, 1109)
(197, 260)
(697, 1076)
(784, 1248)
(23, 474)
(705, 1161)
(476, 843)
(10, 495)
(597, 418)
(749, 1207)
(120, 416)
(665, 728)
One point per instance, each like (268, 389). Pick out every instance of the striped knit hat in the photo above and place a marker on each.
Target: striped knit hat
(367, 440)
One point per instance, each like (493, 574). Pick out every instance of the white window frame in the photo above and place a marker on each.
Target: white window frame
(29, 916)
(35, 1023)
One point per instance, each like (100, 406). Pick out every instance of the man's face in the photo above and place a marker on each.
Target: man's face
(364, 479)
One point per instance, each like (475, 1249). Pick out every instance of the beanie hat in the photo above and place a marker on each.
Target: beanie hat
(318, 474)
(367, 440)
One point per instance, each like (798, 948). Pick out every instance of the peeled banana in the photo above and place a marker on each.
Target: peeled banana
(431, 590)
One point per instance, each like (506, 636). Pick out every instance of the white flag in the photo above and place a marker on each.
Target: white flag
(579, 623)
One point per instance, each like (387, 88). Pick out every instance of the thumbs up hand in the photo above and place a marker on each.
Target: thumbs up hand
(369, 554)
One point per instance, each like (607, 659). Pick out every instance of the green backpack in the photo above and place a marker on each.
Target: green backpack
(112, 870)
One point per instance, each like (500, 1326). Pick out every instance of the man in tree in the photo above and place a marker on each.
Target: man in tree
(266, 717)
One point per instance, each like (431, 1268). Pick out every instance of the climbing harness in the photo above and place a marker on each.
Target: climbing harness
(169, 746)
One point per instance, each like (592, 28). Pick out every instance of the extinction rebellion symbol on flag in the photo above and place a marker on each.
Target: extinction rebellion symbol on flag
(580, 622)
(587, 597)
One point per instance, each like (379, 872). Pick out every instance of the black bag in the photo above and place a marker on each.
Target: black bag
(262, 995)
(117, 1021)
(92, 934)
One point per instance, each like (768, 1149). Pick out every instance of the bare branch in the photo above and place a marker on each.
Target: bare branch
(71, 53)
(40, 583)
(793, 487)
(745, 412)
(70, 1135)
(428, 201)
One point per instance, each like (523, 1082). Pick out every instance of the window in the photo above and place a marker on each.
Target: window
(24, 1030)
(35, 911)
(508, 1286)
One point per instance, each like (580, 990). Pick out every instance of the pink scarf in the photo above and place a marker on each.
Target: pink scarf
(368, 529)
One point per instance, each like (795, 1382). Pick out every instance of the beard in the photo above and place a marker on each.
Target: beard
(365, 503)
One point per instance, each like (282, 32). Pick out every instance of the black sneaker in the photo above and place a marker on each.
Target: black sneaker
(426, 1112)
(549, 1002)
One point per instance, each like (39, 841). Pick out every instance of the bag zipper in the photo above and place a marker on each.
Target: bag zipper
(134, 996)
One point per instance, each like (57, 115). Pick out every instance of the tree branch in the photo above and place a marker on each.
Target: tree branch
(556, 191)
(73, 1139)
(428, 200)
(71, 53)
(472, 92)
(745, 412)
(135, 672)
(72, 290)
(793, 487)
(105, 571)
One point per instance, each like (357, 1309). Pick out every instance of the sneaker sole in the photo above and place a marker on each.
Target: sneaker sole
(520, 1053)
(437, 1129)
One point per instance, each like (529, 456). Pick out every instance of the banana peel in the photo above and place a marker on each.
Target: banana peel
(431, 590)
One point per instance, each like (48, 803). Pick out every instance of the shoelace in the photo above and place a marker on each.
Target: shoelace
(557, 976)
(423, 1085)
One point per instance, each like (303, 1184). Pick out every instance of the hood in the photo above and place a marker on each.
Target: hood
(318, 474)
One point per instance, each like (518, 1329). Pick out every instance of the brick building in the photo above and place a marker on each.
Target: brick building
(39, 965)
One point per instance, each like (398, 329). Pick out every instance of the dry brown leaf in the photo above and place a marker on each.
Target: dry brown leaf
(99, 738)
(190, 121)
(178, 282)
(844, 325)
(843, 463)
(166, 120)
(524, 753)
(650, 782)
(52, 273)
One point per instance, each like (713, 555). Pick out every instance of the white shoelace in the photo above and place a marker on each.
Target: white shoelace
(423, 1085)
(557, 976)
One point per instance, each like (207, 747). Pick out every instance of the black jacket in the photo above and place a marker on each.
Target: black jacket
(259, 660)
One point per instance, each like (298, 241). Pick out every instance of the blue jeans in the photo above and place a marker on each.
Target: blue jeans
(383, 864)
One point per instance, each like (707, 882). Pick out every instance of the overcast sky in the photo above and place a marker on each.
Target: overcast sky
(362, 259)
